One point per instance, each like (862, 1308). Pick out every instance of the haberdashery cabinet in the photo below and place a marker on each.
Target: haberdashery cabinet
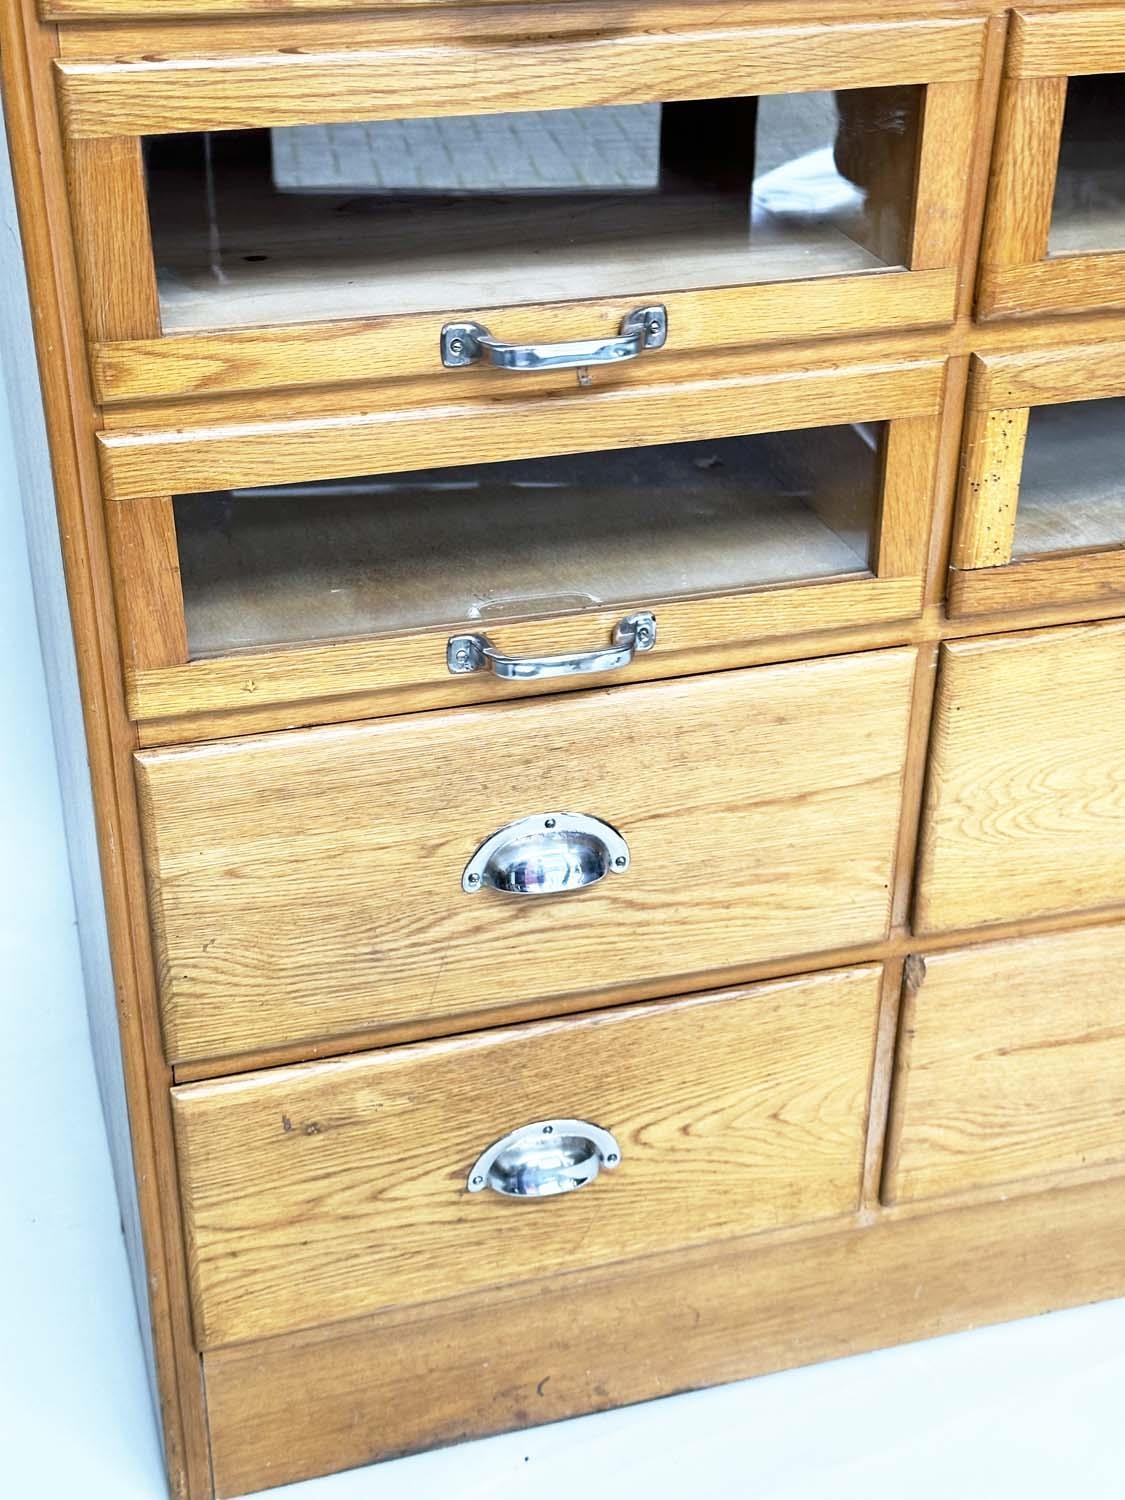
(596, 545)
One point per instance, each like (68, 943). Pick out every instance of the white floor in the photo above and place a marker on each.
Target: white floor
(1034, 1410)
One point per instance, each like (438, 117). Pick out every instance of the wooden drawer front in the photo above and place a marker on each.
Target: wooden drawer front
(1054, 236)
(1025, 808)
(309, 884)
(341, 276)
(1011, 1064)
(332, 1189)
(308, 560)
(1041, 508)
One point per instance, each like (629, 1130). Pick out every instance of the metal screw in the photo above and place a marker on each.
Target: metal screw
(478, 1181)
(548, 1130)
(456, 346)
(644, 635)
(611, 1158)
(620, 861)
(461, 657)
(653, 327)
(473, 879)
(550, 823)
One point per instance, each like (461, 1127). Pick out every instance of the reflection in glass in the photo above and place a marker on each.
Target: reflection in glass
(1089, 205)
(528, 537)
(1072, 489)
(311, 222)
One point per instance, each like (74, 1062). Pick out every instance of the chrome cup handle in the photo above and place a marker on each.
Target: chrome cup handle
(467, 343)
(471, 653)
(546, 854)
(544, 1159)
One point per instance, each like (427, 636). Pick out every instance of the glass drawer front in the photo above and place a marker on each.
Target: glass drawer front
(339, 559)
(1088, 213)
(1072, 488)
(303, 223)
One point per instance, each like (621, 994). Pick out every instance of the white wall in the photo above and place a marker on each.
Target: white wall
(75, 1418)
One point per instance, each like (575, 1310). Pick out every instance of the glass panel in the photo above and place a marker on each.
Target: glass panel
(529, 537)
(1072, 491)
(1089, 208)
(311, 222)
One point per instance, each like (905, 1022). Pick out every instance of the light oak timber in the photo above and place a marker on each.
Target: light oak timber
(349, 1394)
(1066, 41)
(1025, 806)
(1087, 330)
(1010, 1064)
(37, 161)
(356, 701)
(139, 463)
(138, 97)
(1025, 157)
(146, 568)
(944, 491)
(990, 483)
(318, 353)
(881, 1079)
(110, 215)
(208, 15)
(1063, 284)
(1048, 376)
(363, 921)
(1091, 581)
(711, 1101)
(691, 633)
(891, 952)
(944, 173)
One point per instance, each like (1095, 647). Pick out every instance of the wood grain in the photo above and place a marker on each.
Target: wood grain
(146, 568)
(185, 460)
(397, 1382)
(1063, 371)
(1063, 284)
(1095, 580)
(403, 672)
(336, 1189)
(1025, 809)
(943, 173)
(310, 354)
(906, 513)
(112, 240)
(301, 887)
(1025, 156)
(989, 491)
(1067, 41)
(1010, 1064)
(298, 86)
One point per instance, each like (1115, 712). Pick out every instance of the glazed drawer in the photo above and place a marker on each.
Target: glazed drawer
(296, 206)
(333, 1189)
(1041, 509)
(1025, 805)
(302, 561)
(1055, 230)
(309, 884)
(1011, 1064)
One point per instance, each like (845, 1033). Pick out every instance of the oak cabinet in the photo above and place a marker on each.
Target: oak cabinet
(595, 542)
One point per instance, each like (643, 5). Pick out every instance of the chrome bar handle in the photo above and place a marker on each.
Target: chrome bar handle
(471, 653)
(545, 1159)
(467, 343)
